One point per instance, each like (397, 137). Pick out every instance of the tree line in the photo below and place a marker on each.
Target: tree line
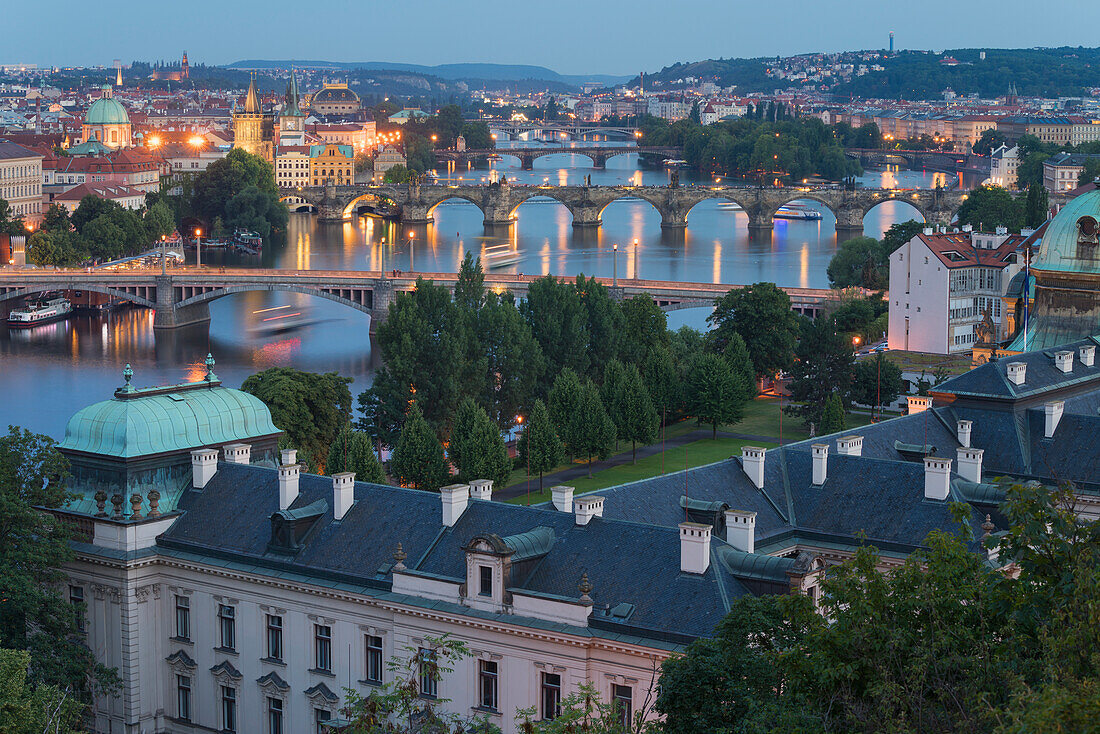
(98, 229)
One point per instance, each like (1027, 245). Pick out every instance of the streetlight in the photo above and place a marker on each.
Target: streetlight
(615, 265)
(163, 257)
(198, 247)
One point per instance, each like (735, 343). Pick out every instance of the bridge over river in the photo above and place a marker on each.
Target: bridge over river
(598, 154)
(181, 296)
(498, 202)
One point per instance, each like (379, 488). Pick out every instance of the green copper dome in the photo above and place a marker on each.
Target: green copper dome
(107, 111)
(1070, 243)
(154, 421)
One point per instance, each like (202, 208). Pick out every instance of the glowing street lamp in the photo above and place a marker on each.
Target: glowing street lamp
(198, 247)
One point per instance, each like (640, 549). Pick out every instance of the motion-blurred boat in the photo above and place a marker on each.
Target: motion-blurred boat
(796, 211)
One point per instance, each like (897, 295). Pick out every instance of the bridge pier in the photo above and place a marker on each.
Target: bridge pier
(416, 213)
(382, 295)
(849, 223)
(599, 160)
(760, 221)
(587, 216)
(167, 315)
(330, 213)
(673, 218)
(526, 162)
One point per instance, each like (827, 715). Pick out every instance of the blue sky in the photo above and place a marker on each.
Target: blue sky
(570, 36)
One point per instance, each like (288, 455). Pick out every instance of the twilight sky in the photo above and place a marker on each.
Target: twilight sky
(569, 36)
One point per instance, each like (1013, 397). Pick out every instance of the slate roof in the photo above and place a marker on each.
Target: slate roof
(1041, 377)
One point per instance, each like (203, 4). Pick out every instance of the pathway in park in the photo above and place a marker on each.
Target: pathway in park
(564, 476)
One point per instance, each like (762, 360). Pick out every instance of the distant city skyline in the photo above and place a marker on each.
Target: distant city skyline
(571, 37)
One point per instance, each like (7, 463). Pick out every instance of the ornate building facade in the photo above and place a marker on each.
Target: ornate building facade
(292, 122)
(108, 122)
(254, 129)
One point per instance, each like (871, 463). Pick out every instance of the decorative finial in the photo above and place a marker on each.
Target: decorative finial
(127, 375)
(116, 503)
(210, 376)
(399, 556)
(154, 503)
(101, 503)
(987, 527)
(135, 506)
(585, 587)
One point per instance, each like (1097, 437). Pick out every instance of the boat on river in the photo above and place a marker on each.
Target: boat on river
(247, 241)
(40, 311)
(499, 256)
(796, 211)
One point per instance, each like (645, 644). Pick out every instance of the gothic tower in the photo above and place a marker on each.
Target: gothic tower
(292, 123)
(253, 130)
(185, 72)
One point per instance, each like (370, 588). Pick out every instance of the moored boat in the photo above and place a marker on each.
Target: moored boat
(40, 311)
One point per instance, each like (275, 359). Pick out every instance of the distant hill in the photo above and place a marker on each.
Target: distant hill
(493, 72)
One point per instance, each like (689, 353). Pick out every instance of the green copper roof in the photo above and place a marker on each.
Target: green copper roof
(107, 111)
(144, 422)
(1066, 246)
(91, 148)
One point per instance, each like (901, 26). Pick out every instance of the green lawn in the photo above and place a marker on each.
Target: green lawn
(762, 419)
(701, 452)
(917, 361)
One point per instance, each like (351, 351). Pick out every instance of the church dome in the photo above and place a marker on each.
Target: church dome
(1071, 242)
(175, 419)
(107, 111)
(335, 93)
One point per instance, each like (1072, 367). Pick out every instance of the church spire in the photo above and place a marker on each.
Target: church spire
(252, 100)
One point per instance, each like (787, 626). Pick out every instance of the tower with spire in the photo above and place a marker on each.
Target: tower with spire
(292, 123)
(254, 129)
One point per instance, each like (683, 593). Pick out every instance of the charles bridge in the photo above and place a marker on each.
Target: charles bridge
(498, 201)
(181, 296)
(598, 154)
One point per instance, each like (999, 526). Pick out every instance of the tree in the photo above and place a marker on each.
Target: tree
(694, 115)
(34, 616)
(899, 234)
(989, 141)
(761, 314)
(311, 408)
(611, 392)
(510, 359)
(1037, 206)
(713, 394)
(1089, 173)
(559, 322)
(352, 451)
(398, 174)
(254, 210)
(225, 179)
(987, 207)
(662, 382)
(590, 427)
(159, 221)
(540, 449)
(57, 219)
(636, 419)
(859, 261)
(564, 402)
(736, 355)
(56, 247)
(477, 447)
(644, 328)
(604, 321)
(418, 460)
(469, 292)
(823, 368)
(1030, 169)
(876, 382)
(832, 415)
(29, 709)
(11, 224)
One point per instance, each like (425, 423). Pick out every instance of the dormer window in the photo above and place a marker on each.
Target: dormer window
(486, 582)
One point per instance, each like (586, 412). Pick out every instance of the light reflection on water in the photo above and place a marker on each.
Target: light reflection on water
(53, 370)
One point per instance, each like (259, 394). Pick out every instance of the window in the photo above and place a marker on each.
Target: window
(551, 696)
(321, 717)
(322, 647)
(487, 684)
(486, 581)
(274, 716)
(428, 683)
(374, 659)
(183, 697)
(622, 697)
(229, 709)
(76, 598)
(274, 637)
(183, 617)
(227, 622)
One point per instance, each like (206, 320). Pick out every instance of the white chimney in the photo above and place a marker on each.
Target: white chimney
(1064, 361)
(562, 497)
(937, 478)
(288, 456)
(849, 446)
(1017, 371)
(1087, 355)
(1052, 416)
(970, 464)
(752, 461)
(1002, 230)
(928, 230)
(343, 493)
(821, 462)
(237, 453)
(288, 484)
(918, 403)
(588, 507)
(968, 228)
(455, 498)
(481, 489)
(204, 464)
(741, 530)
(962, 432)
(694, 547)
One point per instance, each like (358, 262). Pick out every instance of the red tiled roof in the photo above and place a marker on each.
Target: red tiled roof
(956, 251)
(103, 191)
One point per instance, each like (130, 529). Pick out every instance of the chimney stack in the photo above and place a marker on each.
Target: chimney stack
(481, 489)
(1087, 355)
(288, 484)
(455, 498)
(821, 463)
(204, 464)
(741, 530)
(970, 464)
(562, 498)
(1064, 361)
(343, 493)
(962, 432)
(238, 453)
(588, 507)
(937, 478)
(752, 461)
(1052, 416)
(694, 547)
(288, 456)
(849, 446)
(1017, 371)
(918, 403)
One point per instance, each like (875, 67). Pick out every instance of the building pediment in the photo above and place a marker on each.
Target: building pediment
(182, 662)
(226, 673)
(322, 695)
(273, 684)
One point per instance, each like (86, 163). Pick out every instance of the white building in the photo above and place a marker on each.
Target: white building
(292, 166)
(1062, 172)
(942, 284)
(21, 181)
(1003, 163)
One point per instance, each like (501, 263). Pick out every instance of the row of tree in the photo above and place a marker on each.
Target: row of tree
(99, 229)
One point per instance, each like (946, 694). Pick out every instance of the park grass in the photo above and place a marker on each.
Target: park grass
(704, 451)
(923, 361)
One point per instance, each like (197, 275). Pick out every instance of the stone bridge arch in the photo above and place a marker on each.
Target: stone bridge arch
(359, 299)
(904, 197)
(70, 286)
(380, 194)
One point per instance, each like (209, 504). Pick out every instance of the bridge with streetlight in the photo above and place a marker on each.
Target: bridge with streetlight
(598, 154)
